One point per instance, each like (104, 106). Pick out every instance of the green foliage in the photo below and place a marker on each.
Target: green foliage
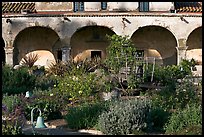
(16, 81)
(158, 117)
(78, 84)
(119, 52)
(190, 130)
(125, 116)
(49, 103)
(168, 75)
(44, 82)
(59, 68)
(37, 70)
(11, 101)
(179, 120)
(9, 128)
(183, 94)
(12, 120)
(90, 65)
(85, 116)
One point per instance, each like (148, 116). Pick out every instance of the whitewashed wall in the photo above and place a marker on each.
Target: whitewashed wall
(160, 6)
(92, 6)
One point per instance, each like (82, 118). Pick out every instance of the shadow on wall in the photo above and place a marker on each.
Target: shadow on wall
(170, 60)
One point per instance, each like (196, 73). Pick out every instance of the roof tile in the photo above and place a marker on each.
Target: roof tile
(188, 7)
(17, 7)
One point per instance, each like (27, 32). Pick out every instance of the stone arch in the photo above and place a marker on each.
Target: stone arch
(90, 38)
(156, 41)
(194, 44)
(32, 39)
(3, 56)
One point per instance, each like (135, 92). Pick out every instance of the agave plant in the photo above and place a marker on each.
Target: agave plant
(58, 68)
(30, 59)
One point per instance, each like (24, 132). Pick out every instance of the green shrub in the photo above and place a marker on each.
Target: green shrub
(164, 98)
(158, 117)
(190, 130)
(59, 68)
(125, 117)
(16, 81)
(182, 119)
(168, 75)
(85, 115)
(11, 101)
(183, 94)
(12, 121)
(9, 128)
(46, 82)
(78, 85)
(50, 105)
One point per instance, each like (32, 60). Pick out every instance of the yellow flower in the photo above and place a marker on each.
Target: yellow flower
(80, 92)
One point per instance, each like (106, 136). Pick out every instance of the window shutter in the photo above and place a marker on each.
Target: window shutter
(143, 6)
(103, 5)
(76, 6)
(81, 6)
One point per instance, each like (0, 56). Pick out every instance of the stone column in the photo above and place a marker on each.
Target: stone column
(65, 53)
(181, 50)
(181, 54)
(9, 55)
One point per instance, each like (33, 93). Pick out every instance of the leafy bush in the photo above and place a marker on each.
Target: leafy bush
(85, 115)
(168, 75)
(47, 102)
(183, 94)
(16, 81)
(159, 117)
(11, 102)
(179, 120)
(78, 85)
(12, 122)
(46, 82)
(58, 68)
(190, 130)
(10, 129)
(125, 117)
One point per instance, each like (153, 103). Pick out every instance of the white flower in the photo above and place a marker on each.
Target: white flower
(51, 94)
(75, 78)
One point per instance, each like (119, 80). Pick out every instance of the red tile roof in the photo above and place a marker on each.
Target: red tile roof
(188, 7)
(10, 7)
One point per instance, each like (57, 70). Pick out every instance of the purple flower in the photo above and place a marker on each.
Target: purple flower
(4, 108)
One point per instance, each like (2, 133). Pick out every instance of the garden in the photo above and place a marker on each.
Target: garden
(97, 94)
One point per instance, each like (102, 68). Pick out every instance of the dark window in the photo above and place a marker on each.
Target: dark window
(59, 55)
(95, 54)
(78, 6)
(143, 6)
(103, 5)
(139, 53)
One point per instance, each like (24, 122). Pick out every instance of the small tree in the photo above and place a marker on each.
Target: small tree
(119, 52)
(120, 56)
